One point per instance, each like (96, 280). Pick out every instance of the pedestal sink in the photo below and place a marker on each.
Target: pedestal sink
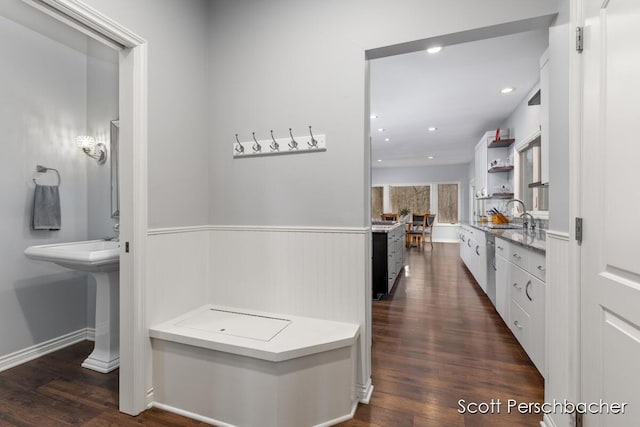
(101, 259)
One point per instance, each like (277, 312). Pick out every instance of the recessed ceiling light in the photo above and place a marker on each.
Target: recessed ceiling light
(386, 140)
(380, 130)
(373, 116)
(434, 49)
(507, 90)
(433, 129)
(430, 157)
(379, 160)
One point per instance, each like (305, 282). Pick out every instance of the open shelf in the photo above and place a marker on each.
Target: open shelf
(538, 185)
(502, 196)
(496, 169)
(501, 143)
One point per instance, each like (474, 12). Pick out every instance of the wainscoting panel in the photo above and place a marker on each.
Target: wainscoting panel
(561, 327)
(313, 272)
(177, 271)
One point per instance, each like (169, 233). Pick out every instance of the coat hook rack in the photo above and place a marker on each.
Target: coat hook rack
(279, 146)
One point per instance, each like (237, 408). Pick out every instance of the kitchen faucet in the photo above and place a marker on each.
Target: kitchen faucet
(525, 223)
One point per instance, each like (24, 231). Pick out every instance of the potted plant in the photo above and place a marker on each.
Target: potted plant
(404, 214)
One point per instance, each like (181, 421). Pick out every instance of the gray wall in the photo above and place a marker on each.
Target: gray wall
(43, 91)
(102, 107)
(423, 175)
(559, 44)
(177, 32)
(292, 63)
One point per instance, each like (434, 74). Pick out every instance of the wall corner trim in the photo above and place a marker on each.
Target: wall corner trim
(558, 235)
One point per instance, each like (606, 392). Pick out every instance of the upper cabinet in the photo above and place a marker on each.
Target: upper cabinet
(544, 117)
(481, 168)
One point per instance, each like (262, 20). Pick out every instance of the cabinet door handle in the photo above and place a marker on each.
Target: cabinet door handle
(469, 243)
(463, 239)
(500, 247)
(518, 287)
(477, 247)
(517, 324)
(494, 264)
(516, 256)
(541, 268)
(526, 290)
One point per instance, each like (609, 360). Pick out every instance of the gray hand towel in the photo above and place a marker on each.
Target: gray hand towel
(46, 208)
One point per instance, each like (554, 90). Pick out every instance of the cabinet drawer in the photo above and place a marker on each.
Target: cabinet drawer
(520, 324)
(537, 265)
(517, 284)
(503, 249)
(518, 255)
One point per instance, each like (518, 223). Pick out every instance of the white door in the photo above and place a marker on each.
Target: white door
(610, 282)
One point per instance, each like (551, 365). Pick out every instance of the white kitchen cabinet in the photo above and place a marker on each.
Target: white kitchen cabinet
(473, 253)
(481, 167)
(520, 297)
(544, 117)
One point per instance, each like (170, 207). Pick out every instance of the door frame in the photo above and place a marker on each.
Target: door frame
(133, 108)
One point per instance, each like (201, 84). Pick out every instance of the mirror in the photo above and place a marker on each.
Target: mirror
(115, 196)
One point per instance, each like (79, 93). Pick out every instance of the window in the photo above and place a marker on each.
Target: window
(376, 202)
(447, 204)
(416, 198)
(529, 163)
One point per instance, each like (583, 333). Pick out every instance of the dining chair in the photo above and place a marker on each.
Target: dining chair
(390, 217)
(417, 229)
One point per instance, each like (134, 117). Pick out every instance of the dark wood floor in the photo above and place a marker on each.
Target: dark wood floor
(435, 341)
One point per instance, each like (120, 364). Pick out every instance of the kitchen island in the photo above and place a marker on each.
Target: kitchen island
(388, 239)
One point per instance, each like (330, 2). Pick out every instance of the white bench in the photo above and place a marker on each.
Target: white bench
(236, 367)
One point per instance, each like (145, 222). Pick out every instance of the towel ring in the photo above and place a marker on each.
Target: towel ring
(44, 169)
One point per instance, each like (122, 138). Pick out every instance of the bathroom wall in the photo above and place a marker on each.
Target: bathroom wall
(43, 88)
(102, 107)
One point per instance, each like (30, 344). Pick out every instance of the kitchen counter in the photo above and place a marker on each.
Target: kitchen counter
(537, 242)
(385, 226)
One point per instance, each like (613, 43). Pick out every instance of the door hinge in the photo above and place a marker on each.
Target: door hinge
(579, 39)
(579, 419)
(579, 230)
(126, 247)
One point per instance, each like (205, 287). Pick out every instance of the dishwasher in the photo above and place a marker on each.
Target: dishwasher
(491, 267)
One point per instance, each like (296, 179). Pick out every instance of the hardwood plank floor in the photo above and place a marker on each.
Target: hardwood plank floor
(436, 340)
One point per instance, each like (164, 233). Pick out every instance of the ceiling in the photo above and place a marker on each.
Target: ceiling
(456, 90)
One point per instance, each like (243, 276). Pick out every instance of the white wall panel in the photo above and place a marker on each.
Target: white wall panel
(561, 355)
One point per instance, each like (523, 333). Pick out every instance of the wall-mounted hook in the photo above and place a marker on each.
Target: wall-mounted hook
(293, 144)
(314, 142)
(274, 145)
(239, 147)
(257, 148)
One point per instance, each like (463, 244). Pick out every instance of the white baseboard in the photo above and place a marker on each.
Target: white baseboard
(364, 392)
(149, 398)
(91, 334)
(30, 353)
(219, 423)
(547, 421)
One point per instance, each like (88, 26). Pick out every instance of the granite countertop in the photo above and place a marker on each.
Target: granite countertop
(537, 241)
(385, 226)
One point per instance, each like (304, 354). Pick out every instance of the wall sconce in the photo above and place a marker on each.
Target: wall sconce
(93, 149)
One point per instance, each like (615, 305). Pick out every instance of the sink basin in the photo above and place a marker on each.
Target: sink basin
(90, 256)
(101, 259)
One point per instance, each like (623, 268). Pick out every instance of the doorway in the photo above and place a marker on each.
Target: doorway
(132, 186)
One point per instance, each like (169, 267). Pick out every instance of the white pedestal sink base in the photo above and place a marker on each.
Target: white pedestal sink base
(106, 351)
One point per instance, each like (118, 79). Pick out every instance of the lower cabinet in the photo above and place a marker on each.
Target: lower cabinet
(520, 298)
(388, 259)
(473, 251)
